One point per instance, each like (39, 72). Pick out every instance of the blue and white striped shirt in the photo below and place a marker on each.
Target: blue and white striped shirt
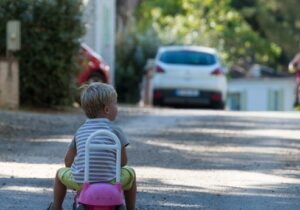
(102, 162)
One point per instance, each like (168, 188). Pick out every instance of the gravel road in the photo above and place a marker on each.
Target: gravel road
(184, 159)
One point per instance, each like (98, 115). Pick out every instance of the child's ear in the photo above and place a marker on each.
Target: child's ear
(106, 109)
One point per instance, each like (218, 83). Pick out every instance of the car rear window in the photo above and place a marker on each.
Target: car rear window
(187, 57)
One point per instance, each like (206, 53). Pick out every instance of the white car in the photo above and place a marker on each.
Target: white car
(188, 75)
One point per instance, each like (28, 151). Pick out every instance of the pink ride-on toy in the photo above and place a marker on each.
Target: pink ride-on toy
(101, 196)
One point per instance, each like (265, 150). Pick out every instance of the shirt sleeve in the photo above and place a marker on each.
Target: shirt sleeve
(121, 135)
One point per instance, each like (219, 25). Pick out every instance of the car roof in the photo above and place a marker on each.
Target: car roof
(187, 47)
(91, 51)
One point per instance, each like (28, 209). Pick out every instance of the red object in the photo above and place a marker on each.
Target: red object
(91, 64)
(158, 69)
(216, 97)
(217, 72)
(298, 75)
(157, 94)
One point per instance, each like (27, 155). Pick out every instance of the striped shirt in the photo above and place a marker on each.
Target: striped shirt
(102, 162)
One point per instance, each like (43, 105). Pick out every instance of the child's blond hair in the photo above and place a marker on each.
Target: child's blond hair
(95, 96)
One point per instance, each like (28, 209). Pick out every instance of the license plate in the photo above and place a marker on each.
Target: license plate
(189, 93)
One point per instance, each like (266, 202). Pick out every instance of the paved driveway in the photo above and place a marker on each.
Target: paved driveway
(184, 159)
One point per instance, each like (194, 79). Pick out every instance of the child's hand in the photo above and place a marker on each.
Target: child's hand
(292, 68)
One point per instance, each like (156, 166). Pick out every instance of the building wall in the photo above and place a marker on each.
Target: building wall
(270, 94)
(90, 23)
(100, 21)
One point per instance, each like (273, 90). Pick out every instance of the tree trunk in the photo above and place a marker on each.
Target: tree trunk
(125, 11)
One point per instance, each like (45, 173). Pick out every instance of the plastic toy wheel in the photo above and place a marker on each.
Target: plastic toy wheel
(122, 207)
(78, 207)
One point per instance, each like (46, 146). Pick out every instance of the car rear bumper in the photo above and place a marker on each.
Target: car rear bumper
(203, 98)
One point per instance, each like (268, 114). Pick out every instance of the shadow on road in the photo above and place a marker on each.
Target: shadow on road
(220, 142)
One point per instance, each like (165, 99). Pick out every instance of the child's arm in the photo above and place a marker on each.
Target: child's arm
(71, 153)
(69, 158)
(124, 142)
(123, 156)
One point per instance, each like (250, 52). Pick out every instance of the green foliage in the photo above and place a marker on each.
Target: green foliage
(133, 50)
(238, 42)
(50, 33)
(275, 20)
(212, 23)
(245, 32)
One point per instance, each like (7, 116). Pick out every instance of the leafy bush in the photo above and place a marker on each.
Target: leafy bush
(132, 51)
(50, 32)
(213, 23)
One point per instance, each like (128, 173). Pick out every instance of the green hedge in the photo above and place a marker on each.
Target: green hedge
(50, 31)
(132, 51)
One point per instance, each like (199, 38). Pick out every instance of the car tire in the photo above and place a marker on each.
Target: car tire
(219, 106)
(95, 77)
(157, 103)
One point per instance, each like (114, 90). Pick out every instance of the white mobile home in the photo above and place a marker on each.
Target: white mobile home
(261, 94)
(261, 89)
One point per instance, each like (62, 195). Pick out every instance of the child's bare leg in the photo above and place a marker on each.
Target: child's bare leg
(59, 193)
(130, 196)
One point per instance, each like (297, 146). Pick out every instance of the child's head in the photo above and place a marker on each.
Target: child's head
(99, 100)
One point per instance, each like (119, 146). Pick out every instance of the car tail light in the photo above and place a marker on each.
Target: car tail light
(157, 94)
(216, 97)
(217, 72)
(158, 69)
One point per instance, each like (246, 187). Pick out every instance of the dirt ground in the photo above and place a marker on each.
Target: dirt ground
(184, 159)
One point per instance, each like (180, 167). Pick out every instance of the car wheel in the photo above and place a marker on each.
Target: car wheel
(219, 106)
(95, 77)
(157, 103)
